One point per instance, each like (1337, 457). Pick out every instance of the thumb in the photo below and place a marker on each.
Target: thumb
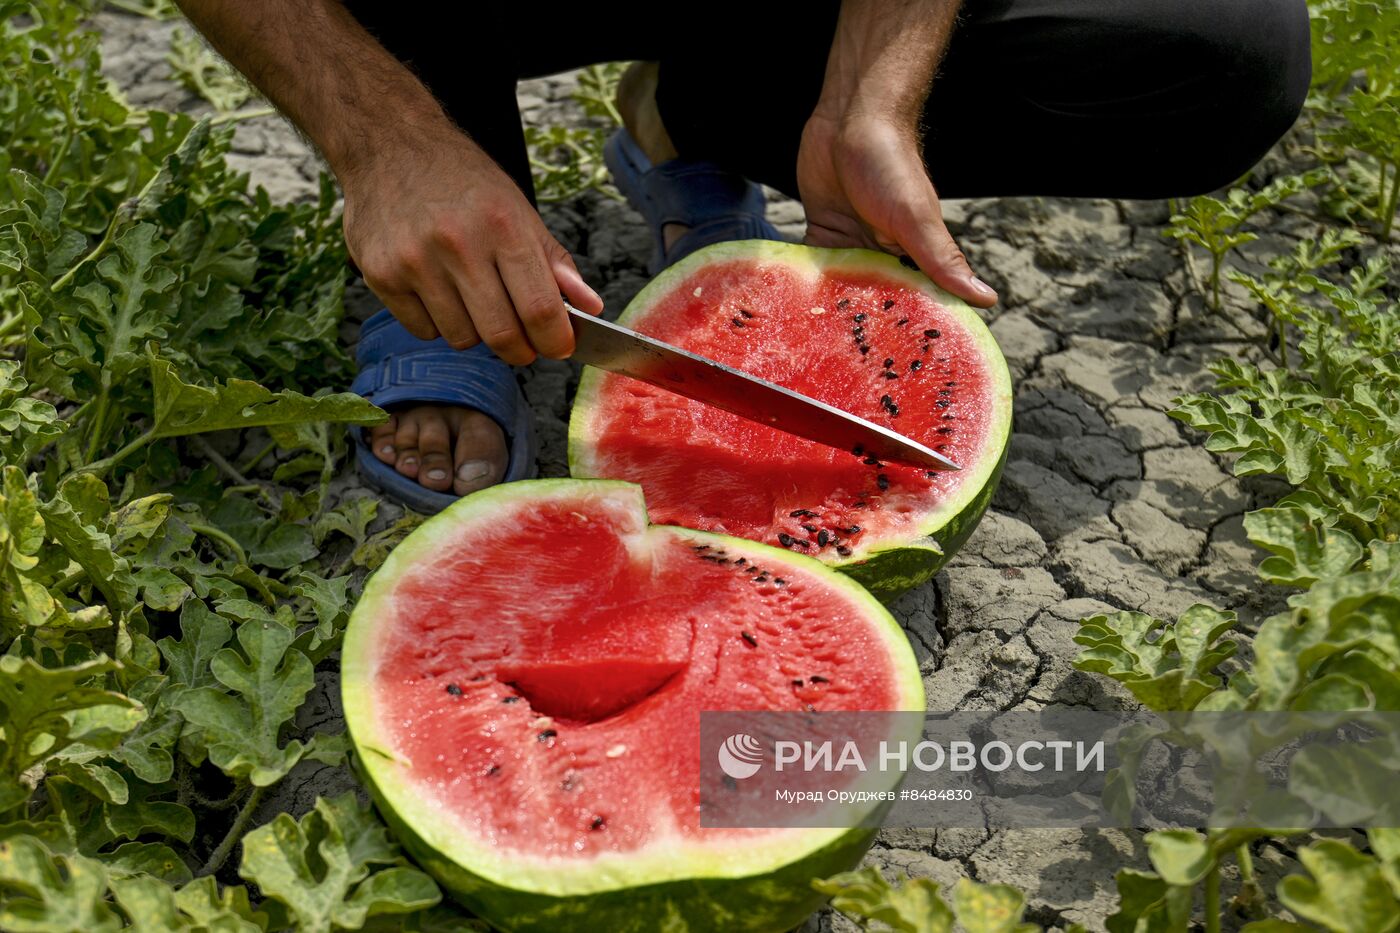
(933, 249)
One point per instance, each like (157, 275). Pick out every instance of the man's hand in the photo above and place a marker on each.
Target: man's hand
(860, 168)
(440, 233)
(453, 247)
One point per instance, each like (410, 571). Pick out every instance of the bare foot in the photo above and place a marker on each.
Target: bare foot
(636, 102)
(445, 448)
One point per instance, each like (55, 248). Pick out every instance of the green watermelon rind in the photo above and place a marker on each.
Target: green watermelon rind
(760, 887)
(886, 570)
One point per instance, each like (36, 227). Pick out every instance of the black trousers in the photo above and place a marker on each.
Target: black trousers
(1077, 98)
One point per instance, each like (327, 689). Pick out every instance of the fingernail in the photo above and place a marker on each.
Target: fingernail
(437, 473)
(473, 470)
(982, 288)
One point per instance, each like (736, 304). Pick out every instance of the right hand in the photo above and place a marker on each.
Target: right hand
(454, 249)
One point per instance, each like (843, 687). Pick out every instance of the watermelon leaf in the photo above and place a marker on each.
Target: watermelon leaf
(242, 725)
(358, 872)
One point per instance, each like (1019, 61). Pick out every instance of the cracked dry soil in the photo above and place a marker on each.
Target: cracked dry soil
(1105, 502)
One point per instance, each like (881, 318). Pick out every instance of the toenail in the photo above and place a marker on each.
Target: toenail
(387, 449)
(409, 461)
(437, 473)
(472, 470)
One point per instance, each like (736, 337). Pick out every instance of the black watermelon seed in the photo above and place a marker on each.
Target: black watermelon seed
(864, 349)
(761, 578)
(858, 450)
(942, 403)
(746, 314)
(741, 562)
(950, 384)
(780, 581)
(932, 333)
(547, 736)
(818, 679)
(597, 823)
(858, 318)
(883, 482)
(901, 322)
(844, 303)
(853, 530)
(889, 303)
(945, 430)
(859, 505)
(800, 543)
(889, 361)
(455, 690)
(510, 699)
(810, 529)
(798, 513)
(915, 365)
(949, 417)
(944, 392)
(784, 539)
(493, 770)
(798, 682)
(753, 642)
(478, 677)
(890, 375)
(886, 401)
(822, 538)
(931, 474)
(736, 322)
(844, 551)
(700, 547)
(871, 461)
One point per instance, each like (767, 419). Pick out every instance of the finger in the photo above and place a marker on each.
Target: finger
(494, 317)
(449, 312)
(434, 450)
(931, 246)
(570, 280)
(409, 311)
(406, 445)
(381, 439)
(538, 304)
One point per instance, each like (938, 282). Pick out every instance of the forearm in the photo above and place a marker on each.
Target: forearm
(319, 66)
(883, 59)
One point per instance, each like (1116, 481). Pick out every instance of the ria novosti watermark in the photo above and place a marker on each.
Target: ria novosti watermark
(1052, 768)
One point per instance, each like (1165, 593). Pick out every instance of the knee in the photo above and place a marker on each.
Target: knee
(1261, 58)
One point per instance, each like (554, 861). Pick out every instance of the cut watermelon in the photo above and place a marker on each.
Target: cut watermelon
(853, 328)
(523, 680)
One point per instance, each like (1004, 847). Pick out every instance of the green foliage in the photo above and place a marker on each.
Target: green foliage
(567, 160)
(914, 905)
(202, 71)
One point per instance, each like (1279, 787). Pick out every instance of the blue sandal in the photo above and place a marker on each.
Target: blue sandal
(717, 205)
(397, 368)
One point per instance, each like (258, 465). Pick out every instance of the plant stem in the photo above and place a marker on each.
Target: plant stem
(251, 463)
(234, 834)
(1215, 260)
(101, 467)
(1213, 900)
(223, 537)
(1390, 204)
(239, 116)
(1248, 896)
(229, 470)
(62, 281)
(98, 418)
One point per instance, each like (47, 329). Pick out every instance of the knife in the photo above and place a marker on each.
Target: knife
(619, 350)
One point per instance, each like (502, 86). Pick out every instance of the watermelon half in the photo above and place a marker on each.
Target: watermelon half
(853, 328)
(523, 680)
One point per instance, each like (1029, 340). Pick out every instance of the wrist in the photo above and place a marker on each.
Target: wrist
(362, 147)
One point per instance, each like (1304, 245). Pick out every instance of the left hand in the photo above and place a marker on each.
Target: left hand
(863, 183)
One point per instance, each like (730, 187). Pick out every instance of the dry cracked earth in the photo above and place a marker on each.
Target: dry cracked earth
(1105, 502)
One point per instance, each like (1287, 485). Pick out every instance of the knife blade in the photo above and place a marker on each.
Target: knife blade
(620, 350)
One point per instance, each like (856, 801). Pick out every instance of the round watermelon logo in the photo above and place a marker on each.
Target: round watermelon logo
(740, 756)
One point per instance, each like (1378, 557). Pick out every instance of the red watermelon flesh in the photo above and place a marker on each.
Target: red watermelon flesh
(534, 662)
(852, 329)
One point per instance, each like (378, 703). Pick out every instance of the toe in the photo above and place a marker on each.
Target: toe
(434, 449)
(406, 443)
(381, 439)
(480, 453)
